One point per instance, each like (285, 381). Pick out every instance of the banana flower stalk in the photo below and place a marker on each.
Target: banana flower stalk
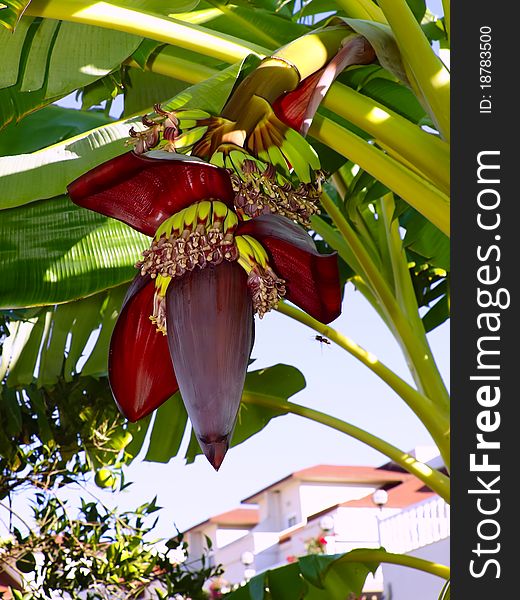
(187, 322)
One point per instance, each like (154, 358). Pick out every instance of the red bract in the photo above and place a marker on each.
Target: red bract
(311, 278)
(142, 190)
(207, 309)
(297, 108)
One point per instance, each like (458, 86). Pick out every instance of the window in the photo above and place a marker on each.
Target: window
(291, 521)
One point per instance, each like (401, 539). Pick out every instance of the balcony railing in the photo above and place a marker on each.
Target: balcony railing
(418, 526)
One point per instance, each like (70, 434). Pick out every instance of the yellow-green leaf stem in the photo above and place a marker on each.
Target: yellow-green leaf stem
(405, 560)
(282, 72)
(114, 15)
(362, 9)
(167, 63)
(427, 373)
(428, 71)
(400, 318)
(435, 423)
(418, 192)
(431, 477)
(312, 51)
(428, 153)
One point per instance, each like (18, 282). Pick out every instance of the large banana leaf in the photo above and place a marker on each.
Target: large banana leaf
(262, 27)
(40, 361)
(144, 89)
(54, 251)
(46, 59)
(11, 11)
(47, 126)
(58, 342)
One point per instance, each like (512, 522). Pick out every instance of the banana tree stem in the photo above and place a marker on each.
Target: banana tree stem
(419, 352)
(434, 421)
(312, 51)
(428, 153)
(115, 15)
(427, 69)
(423, 360)
(405, 560)
(418, 192)
(431, 477)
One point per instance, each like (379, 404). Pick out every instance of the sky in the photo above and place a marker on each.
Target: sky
(336, 384)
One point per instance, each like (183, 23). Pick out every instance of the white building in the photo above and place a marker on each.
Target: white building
(336, 503)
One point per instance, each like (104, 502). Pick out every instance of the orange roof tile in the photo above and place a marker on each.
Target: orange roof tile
(405, 494)
(336, 474)
(236, 518)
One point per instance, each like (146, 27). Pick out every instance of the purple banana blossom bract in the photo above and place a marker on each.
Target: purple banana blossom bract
(210, 335)
(209, 311)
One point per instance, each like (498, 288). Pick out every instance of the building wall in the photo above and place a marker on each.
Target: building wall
(290, 505)
(357, 527)
(197, 542)
(402, 583)
(270, 511)
(226, 536)
(317, 496)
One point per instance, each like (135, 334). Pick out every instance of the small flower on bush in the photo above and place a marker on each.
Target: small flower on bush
(316, 545)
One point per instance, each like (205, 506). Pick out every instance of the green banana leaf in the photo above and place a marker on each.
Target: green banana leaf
(259, 26)
(144, 89)
(312, 577)
(54, 251)
(47, 126)
(46, 59)
(163, 7)
(11, 11)
(45, 345)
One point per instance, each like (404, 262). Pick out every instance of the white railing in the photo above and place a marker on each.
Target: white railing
(415, 527)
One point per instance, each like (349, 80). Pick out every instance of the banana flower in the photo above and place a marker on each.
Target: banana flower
(187, 322)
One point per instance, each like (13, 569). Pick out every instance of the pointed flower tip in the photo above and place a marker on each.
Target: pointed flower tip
(215, 451)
